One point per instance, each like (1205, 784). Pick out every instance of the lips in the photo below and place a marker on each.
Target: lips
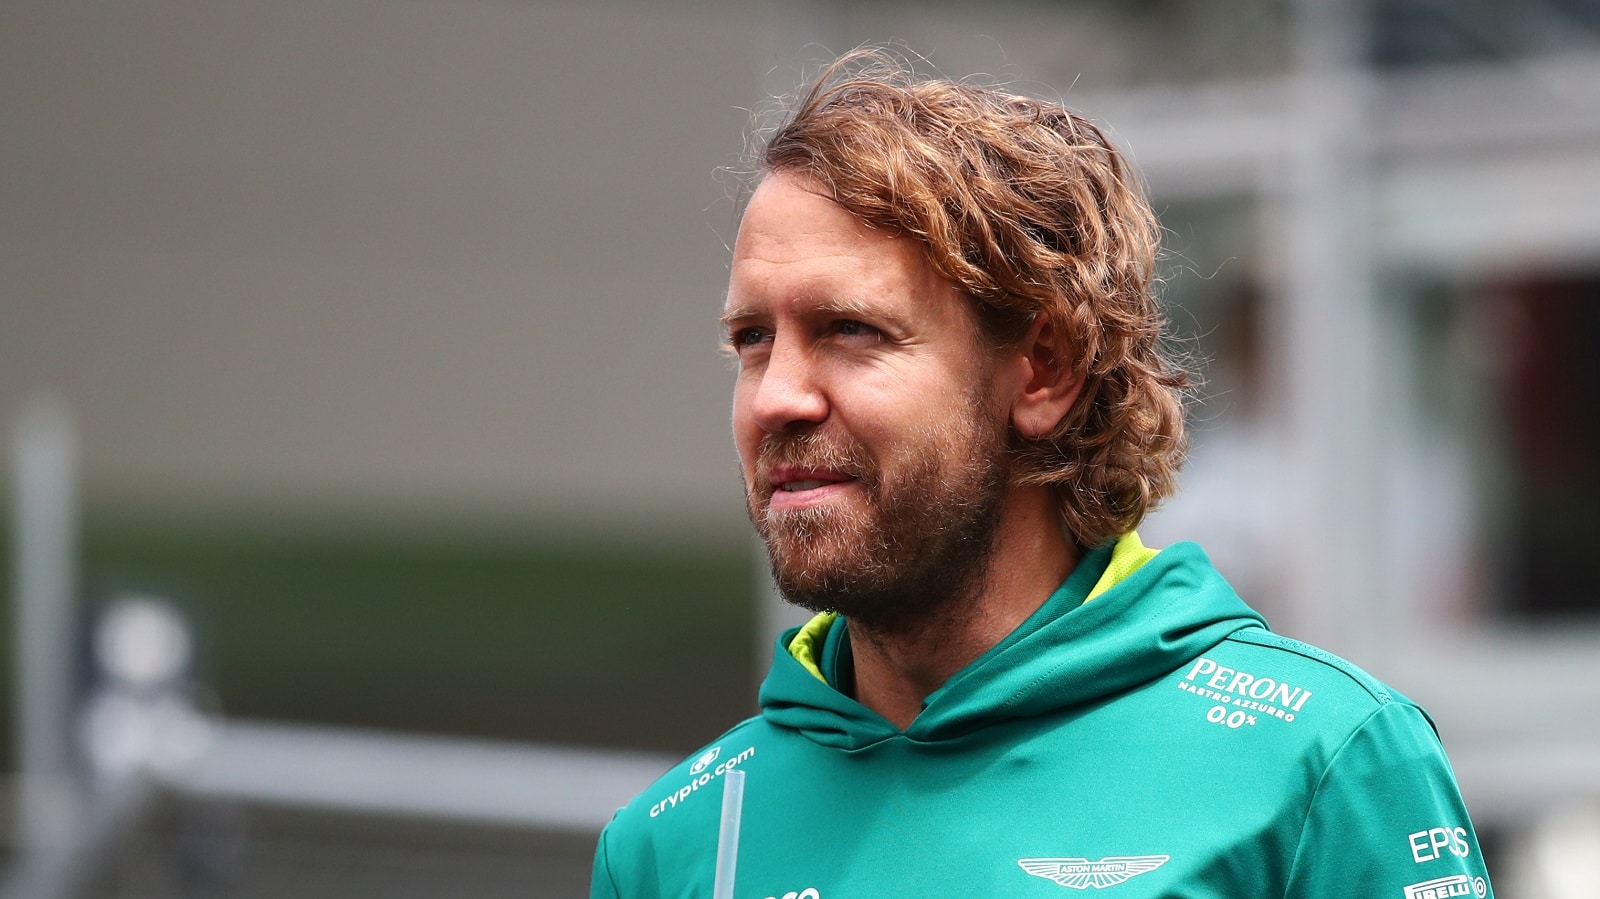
(811, 469)
(792, 479)
(796, 487)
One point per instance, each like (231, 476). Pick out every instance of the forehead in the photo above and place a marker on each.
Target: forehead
(794, 242)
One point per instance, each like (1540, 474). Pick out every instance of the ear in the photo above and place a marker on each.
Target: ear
(1049, 387)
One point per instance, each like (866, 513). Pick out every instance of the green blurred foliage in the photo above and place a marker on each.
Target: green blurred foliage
(533, 639)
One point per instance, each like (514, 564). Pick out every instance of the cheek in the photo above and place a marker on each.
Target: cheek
(746, 434)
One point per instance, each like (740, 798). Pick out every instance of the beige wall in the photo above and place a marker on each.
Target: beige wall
(375, 257)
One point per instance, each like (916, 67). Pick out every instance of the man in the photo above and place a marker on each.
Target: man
(952, 407)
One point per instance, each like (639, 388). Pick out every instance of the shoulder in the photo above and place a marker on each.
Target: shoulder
(1311, 658)
(689, 792)
(664, 828)
(1352, 763)
(1292, 678)
(1303, 706)
(1379, 809)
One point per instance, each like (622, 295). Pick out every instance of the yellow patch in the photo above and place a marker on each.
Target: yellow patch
(1128, 556)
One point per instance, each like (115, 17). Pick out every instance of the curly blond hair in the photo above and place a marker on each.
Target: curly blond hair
(1028, 208)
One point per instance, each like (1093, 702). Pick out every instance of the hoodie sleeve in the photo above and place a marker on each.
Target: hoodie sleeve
(1387, 819)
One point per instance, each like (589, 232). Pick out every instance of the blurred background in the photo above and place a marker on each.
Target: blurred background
(374, 524)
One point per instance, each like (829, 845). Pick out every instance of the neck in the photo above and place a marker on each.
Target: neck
(896, 671)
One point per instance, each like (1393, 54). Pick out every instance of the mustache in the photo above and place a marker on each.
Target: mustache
(813, 449)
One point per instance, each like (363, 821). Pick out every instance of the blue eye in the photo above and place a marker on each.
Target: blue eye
(851, 328)
(747, 337)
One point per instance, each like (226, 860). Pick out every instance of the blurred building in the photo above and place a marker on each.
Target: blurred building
(389, 328)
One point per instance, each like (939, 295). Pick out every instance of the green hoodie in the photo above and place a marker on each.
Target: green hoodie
(1157, 741)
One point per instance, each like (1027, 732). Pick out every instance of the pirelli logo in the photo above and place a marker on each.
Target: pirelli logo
(1441, 888)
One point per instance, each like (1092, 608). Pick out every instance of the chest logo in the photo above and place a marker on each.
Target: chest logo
(1081, 874)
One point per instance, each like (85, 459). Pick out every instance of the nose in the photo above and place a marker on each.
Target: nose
(788, 392)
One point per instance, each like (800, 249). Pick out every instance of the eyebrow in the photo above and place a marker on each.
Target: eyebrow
(729, 317)
(838, 306)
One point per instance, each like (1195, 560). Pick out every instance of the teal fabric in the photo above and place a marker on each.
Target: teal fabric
(1156, 742)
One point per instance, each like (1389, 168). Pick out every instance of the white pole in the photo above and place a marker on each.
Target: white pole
(45, 564)
(1323, 330)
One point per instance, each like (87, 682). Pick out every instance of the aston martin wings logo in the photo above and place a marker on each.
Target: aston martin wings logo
(1080, 873)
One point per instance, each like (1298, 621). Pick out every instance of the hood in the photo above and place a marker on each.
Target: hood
(1151, 613)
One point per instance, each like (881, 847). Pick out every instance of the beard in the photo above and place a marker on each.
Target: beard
(917, 547)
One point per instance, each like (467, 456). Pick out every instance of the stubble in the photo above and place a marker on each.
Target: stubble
(916, 545)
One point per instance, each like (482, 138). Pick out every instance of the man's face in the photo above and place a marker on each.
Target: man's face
(872, 444)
